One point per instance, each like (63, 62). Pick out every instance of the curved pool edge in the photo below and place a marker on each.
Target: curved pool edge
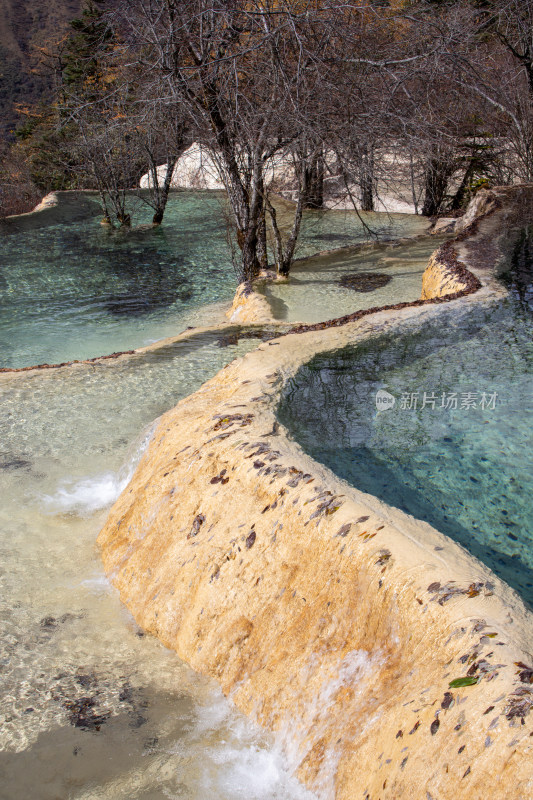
(345, 641)
(445, 277)
(70, 205)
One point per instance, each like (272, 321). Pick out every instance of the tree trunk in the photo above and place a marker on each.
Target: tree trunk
(315, 182)
(438, 172)
(262, 252)
(367, 196)
(367, 179)
(459, 196)
(285, 254)
(163, 193)
(124, 220)
(413, 185)
(288, 254)
(249, 260)
(106, 219)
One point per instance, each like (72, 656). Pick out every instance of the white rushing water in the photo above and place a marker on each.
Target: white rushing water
(88, 495)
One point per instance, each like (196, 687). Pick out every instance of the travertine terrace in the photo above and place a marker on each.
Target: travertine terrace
(390, 663)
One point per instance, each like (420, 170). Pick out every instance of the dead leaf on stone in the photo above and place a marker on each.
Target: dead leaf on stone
(383, 558)
(344, 530)
(447, 700)
(250, 540)
(196, 525)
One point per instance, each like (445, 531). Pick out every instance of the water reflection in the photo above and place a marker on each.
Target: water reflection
(466, 468)
(519, 275)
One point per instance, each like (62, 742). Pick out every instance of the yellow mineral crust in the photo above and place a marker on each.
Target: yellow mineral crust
(330, 618)
(438, 280)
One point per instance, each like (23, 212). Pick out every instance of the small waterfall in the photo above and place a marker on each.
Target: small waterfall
(88, 495)
(311, 737)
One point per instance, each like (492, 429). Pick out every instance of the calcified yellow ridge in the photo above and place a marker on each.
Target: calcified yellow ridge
(327, 616)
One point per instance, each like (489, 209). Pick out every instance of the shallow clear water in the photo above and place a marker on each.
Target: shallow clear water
(315, 293)
(91, 708)
(467, 470)
(78, 290)
(325, 230)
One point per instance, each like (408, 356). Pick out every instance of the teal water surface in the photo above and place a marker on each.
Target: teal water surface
(77, 290)
(456, 449)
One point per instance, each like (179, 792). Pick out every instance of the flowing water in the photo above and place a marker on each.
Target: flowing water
(449, 438)
(90, 707)
(77, 290)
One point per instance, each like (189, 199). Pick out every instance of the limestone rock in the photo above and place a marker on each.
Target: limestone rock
(194, 170)
(249, 306)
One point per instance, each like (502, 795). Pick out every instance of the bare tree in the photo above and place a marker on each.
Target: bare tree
(162, 136)
(485, 64)
(18, 193)
(244, 73)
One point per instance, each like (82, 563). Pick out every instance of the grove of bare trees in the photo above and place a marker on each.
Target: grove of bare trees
(430, 99)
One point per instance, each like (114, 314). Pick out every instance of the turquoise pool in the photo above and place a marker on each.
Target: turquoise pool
(456, 449)
(79, 290)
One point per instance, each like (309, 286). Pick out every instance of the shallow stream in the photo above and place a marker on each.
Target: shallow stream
(90, 707)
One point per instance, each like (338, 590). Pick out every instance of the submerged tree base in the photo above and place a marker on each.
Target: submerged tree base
(364, 281)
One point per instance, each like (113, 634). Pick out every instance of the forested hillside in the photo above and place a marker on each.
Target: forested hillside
(425, 100)
(24, 26)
